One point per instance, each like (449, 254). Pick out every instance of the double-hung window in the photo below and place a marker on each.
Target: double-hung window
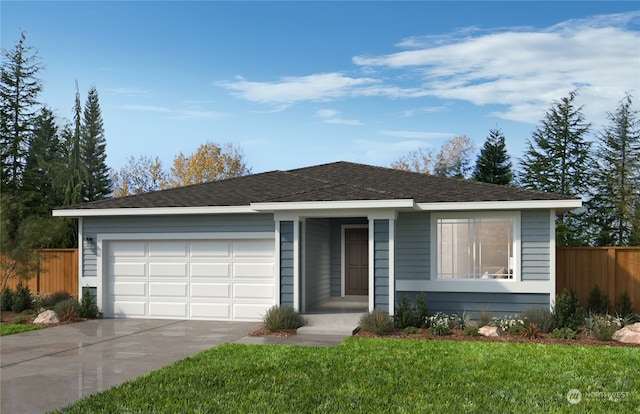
(476, 246)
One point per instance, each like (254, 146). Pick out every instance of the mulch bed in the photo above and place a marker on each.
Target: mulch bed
(7, 317)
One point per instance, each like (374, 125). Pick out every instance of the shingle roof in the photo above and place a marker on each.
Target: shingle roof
(337, 181)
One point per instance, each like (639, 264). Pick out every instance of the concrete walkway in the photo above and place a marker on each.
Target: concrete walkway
(47, 369)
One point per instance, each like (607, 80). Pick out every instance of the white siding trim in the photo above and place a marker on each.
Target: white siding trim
(337, 205)
(392, 264)
(552, 259)
(150, 211)
(484, 286)
(564, 205)
(81, 258)
(372, 287)
(276, 258)
(296, 265)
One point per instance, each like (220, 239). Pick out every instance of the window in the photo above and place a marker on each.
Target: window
(475, 247)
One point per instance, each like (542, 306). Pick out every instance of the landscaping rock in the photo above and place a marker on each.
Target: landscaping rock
(630, 334)
(491, 331)
(47, 317)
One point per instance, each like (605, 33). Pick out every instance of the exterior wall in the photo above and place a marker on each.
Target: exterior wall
(286, 263)
(535, 245)
(413, 246)
(317, 283)
(381, 265)
(497, 304)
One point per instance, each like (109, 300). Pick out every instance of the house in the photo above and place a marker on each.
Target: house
(229, 250)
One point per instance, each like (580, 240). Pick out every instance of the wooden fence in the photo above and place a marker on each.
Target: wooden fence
(58, 272)
(614, 269)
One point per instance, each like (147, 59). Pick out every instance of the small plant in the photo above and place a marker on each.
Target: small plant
(625, 307)
(88, 306)
(377, 322)
(410, 313)
(628, 319)
(6, 300)
(439, 324)
(530, 330)
(564, 333)
(485, 318)
(459, 320)
(567, 311)
(21, 298)
(599, 303)
(602, 327)
(471, 331)
(278, 318)
(20, 320)
(67, 310)
(49, 301)
(542, 317)
(515, 330)
(411, 330)
(509, 323)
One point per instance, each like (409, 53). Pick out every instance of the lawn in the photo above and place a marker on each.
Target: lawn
(10, 329)
(384, 375)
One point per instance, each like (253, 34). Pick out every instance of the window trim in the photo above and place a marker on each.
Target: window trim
(514, 215)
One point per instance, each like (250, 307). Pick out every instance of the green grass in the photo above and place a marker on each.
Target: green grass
(10, 329)
(383, 376)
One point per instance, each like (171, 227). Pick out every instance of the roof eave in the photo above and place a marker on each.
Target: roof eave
(558, 205)
(150, 211)
(341, 205)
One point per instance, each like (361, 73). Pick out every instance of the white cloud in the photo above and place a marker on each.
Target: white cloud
(127, 91)
(416, 134)
(424, 110)
(330, 116)
(291, 90)
(179, 114)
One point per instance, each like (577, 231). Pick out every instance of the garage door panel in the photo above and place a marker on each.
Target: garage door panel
(211, 290)
(253, 270)
(250, 311)
(167, 269)
(167, 289)
(210, 248)
(130, 289)
(135, 309)
(121, 269)
(217, 270)
(211, 310)
(168, 249)
(127, 249)
(167, 309)
(252, 291)
(253, 248)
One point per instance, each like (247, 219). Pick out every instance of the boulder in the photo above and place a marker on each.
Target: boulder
(630, 334)
(491, 331)
(47, 317)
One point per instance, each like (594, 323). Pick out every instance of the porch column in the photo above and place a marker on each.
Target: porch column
(381, 264)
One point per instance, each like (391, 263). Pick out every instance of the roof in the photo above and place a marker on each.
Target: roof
(334, 182)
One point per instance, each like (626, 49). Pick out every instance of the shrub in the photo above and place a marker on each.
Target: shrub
(510, 323)
(20, 320)
(601, 326)
(6, 300)
(625, 307)
(471, 331)
(21, 299)
(439, 324)
(599, 303)
(411, 313)
(67, 310)
(542, 317)
(50, 301)
(282, 317)
(377, 322)
(530, 330)
(459, 320)
(485, 318)
(515, 330)
(411, 330)
(567, 312)
(88, 305)
(564, 333)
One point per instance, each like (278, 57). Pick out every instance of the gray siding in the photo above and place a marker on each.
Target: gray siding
(92, 226)
(497, 304)
(535, 245)
(286, 263)
(413, 246)
(336, 251)
(381, 264)
(317, 262)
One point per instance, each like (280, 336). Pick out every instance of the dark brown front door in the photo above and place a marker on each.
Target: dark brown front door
(356, 261)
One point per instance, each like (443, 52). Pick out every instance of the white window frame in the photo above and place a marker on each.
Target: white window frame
(513, 215)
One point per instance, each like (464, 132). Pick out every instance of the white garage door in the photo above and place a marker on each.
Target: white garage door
(190, 279)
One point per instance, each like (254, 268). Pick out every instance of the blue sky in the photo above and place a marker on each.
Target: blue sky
(301, 83)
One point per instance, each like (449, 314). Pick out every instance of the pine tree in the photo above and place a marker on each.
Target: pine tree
(558, 161)
(493, 164)
(72, 137)
(616, 202)
(19, 90)
(96, 183)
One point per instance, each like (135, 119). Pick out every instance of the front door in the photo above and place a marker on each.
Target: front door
(356, 261)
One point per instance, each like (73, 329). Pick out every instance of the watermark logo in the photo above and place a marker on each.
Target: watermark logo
(574, 396)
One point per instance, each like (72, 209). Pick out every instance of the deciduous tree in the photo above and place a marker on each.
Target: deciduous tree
(454, 158)
(210, 162)
(139, 176)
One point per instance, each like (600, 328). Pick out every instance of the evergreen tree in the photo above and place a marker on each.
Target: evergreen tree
(72, 135)
(558, 161)
(493, 164)
(96, 183)
(19, 89)
(616, 202)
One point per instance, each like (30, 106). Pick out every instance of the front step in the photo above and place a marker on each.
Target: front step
(330, 324)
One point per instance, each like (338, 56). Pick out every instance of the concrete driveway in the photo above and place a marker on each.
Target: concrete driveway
(47, 369)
